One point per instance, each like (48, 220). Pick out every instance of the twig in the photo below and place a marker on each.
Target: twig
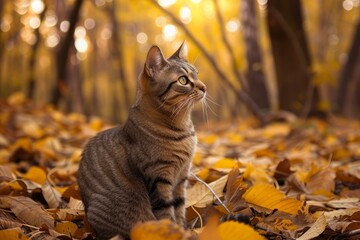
(211, 190)
(346, 235)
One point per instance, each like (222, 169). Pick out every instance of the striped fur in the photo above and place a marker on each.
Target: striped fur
(138, 172)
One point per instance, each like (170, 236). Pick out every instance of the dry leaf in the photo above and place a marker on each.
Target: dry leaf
(237, 231)
(51, 195)
(315, 230)
(67, 228)
(200, 195)
(323, 180)
(31, 212)
(158, 230)
(12, 234)
(265, 195)
(35, 174)
(209, 232)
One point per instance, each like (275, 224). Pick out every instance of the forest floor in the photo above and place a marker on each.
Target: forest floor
(292, 179)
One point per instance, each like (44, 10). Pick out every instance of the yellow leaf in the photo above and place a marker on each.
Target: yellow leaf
(209, 140)
(33, 129)
(24, 143)
(235, 138)
(256, 174)
(276, 129)
(225, 163)
(237, 231)
(158, 230)
(67, 228)
(203, 174)
(267, 196)
(96, 124)
(36, 174)
(12, 234)
(197, 158)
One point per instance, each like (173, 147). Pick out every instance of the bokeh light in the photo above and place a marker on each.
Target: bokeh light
(169, 32)
(185, 15)
(81, 45)
(37, 6)
(141, 38)
(166, 3)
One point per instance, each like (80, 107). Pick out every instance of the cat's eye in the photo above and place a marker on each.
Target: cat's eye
(183, 80)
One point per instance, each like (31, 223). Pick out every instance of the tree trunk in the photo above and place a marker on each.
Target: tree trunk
(256, 80)
(32, 61)
(60, 89)
(118, 55)
(291, 57)
(349, 84)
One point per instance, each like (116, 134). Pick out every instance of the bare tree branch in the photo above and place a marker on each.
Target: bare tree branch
(230, 50)
(240, 94)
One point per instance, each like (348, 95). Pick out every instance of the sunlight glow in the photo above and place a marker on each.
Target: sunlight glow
(166, 3)
(348, 5)
(196, 1)
(37, 6)
(64, 26)
(81, 45)
(89, 23)
(34, 22)
(5, 23)
(106, 34)
(160, 21)
(80, 32)
(52, 40)
(169, 32)
(185, 15)
(51, 20)
(233, 25)
(141, 38)
(262, 2)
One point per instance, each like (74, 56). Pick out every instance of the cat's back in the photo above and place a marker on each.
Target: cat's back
(103, 164)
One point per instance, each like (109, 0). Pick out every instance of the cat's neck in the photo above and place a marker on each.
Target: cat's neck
(154, 114)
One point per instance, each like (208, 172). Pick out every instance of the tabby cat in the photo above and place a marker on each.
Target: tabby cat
(138, 172)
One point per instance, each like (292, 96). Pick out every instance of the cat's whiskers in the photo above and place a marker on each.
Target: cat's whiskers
(183, 104)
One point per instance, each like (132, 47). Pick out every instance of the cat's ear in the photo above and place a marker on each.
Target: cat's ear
(182, 52)
(155, 61)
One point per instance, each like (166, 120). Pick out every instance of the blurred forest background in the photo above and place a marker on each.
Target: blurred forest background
(256, 57)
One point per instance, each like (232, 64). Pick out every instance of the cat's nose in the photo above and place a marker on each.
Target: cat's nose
(201, 87)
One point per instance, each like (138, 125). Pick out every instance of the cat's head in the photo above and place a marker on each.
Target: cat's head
(172, 84)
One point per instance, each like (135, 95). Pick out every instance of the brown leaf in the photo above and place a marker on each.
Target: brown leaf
(324, 180)
(51, 195)
(31, 212)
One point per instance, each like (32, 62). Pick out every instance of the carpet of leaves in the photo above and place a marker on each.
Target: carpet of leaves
(292, 179)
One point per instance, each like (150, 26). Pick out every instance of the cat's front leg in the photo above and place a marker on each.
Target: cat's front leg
(179, 202)
(161, 198)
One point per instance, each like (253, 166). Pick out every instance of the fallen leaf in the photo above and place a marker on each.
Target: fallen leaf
(158, 230)
(267, 196)
(232, 230)
(31, 212)
(67, 228)
(35, 174)
(12, 234)
(51, 195)
(200, 195)
(315, 230)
